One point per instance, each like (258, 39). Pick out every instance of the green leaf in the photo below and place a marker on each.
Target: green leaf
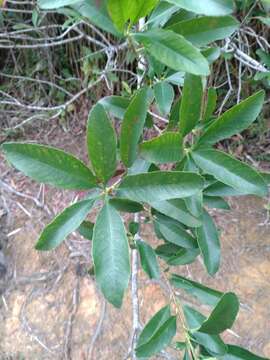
(238, 353)
(55, 4)
(190, 109)
(235, 120)
(101, 142)
(160, 185)
(203, 293)
(164, 95)
(220, 189)
(211, 104)
(206, 7)
(50, 166)
(204, 30)
(223, 315)
(212, 343)
(97, 13)
(157, 333)
(154, 324)
(194, 204)
(163, 149)
(174, 51)
(230, 171)
(63, 225)
(216, 202)
(177, 210)
(119, 13)
(148, 259)
(132, 127)
(208, 241)
(111, 255)
(115, 105)
(126, 205)
(264, 20)
(86, 230)
(175, 234)
(183, 257)
(140, 8)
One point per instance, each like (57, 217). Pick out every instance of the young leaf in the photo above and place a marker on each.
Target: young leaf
(63, 225)
(206, 7)
(176, 209)
(119, 13)
(86, 230)
(160, 185)
(111, 255)
(235, 120)
(204, 30)
(158, 337)
(208, 241)
(176, 235)
(204, 294)
(148, 259)
(223, 315)
(230, 171)
(237, 353)
(140, 8)
(212, 343)
(101, 142)
(132, 127)
(50, 166)
(174, 51)
(164, 95)
(165, 148)
(126, 205)
(190, 109)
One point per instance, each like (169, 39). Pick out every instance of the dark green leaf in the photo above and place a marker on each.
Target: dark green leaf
(126, 205)
(165, 148)
(204, 30)
(132, 127)
(206, 7)
(174, 51)
(212, 343)
(174, 115)
(204, 294)
(223, 315)
(234, 120)
(238, 353)
(161, 338)
(220, 189)
(183, 257)
(86, 230)
(211, 103)
(216, 202)
(176, 235)
(230, 171)
(160, 185)
(164, 95)
(111, 255)
(101, 142)
(177, 210)
(148, 259)
(64, 224)
(50, 166)
(194, 204)
(209, 244)
(190, 109)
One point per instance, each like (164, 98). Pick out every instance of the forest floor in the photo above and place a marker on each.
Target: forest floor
(49, 305)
